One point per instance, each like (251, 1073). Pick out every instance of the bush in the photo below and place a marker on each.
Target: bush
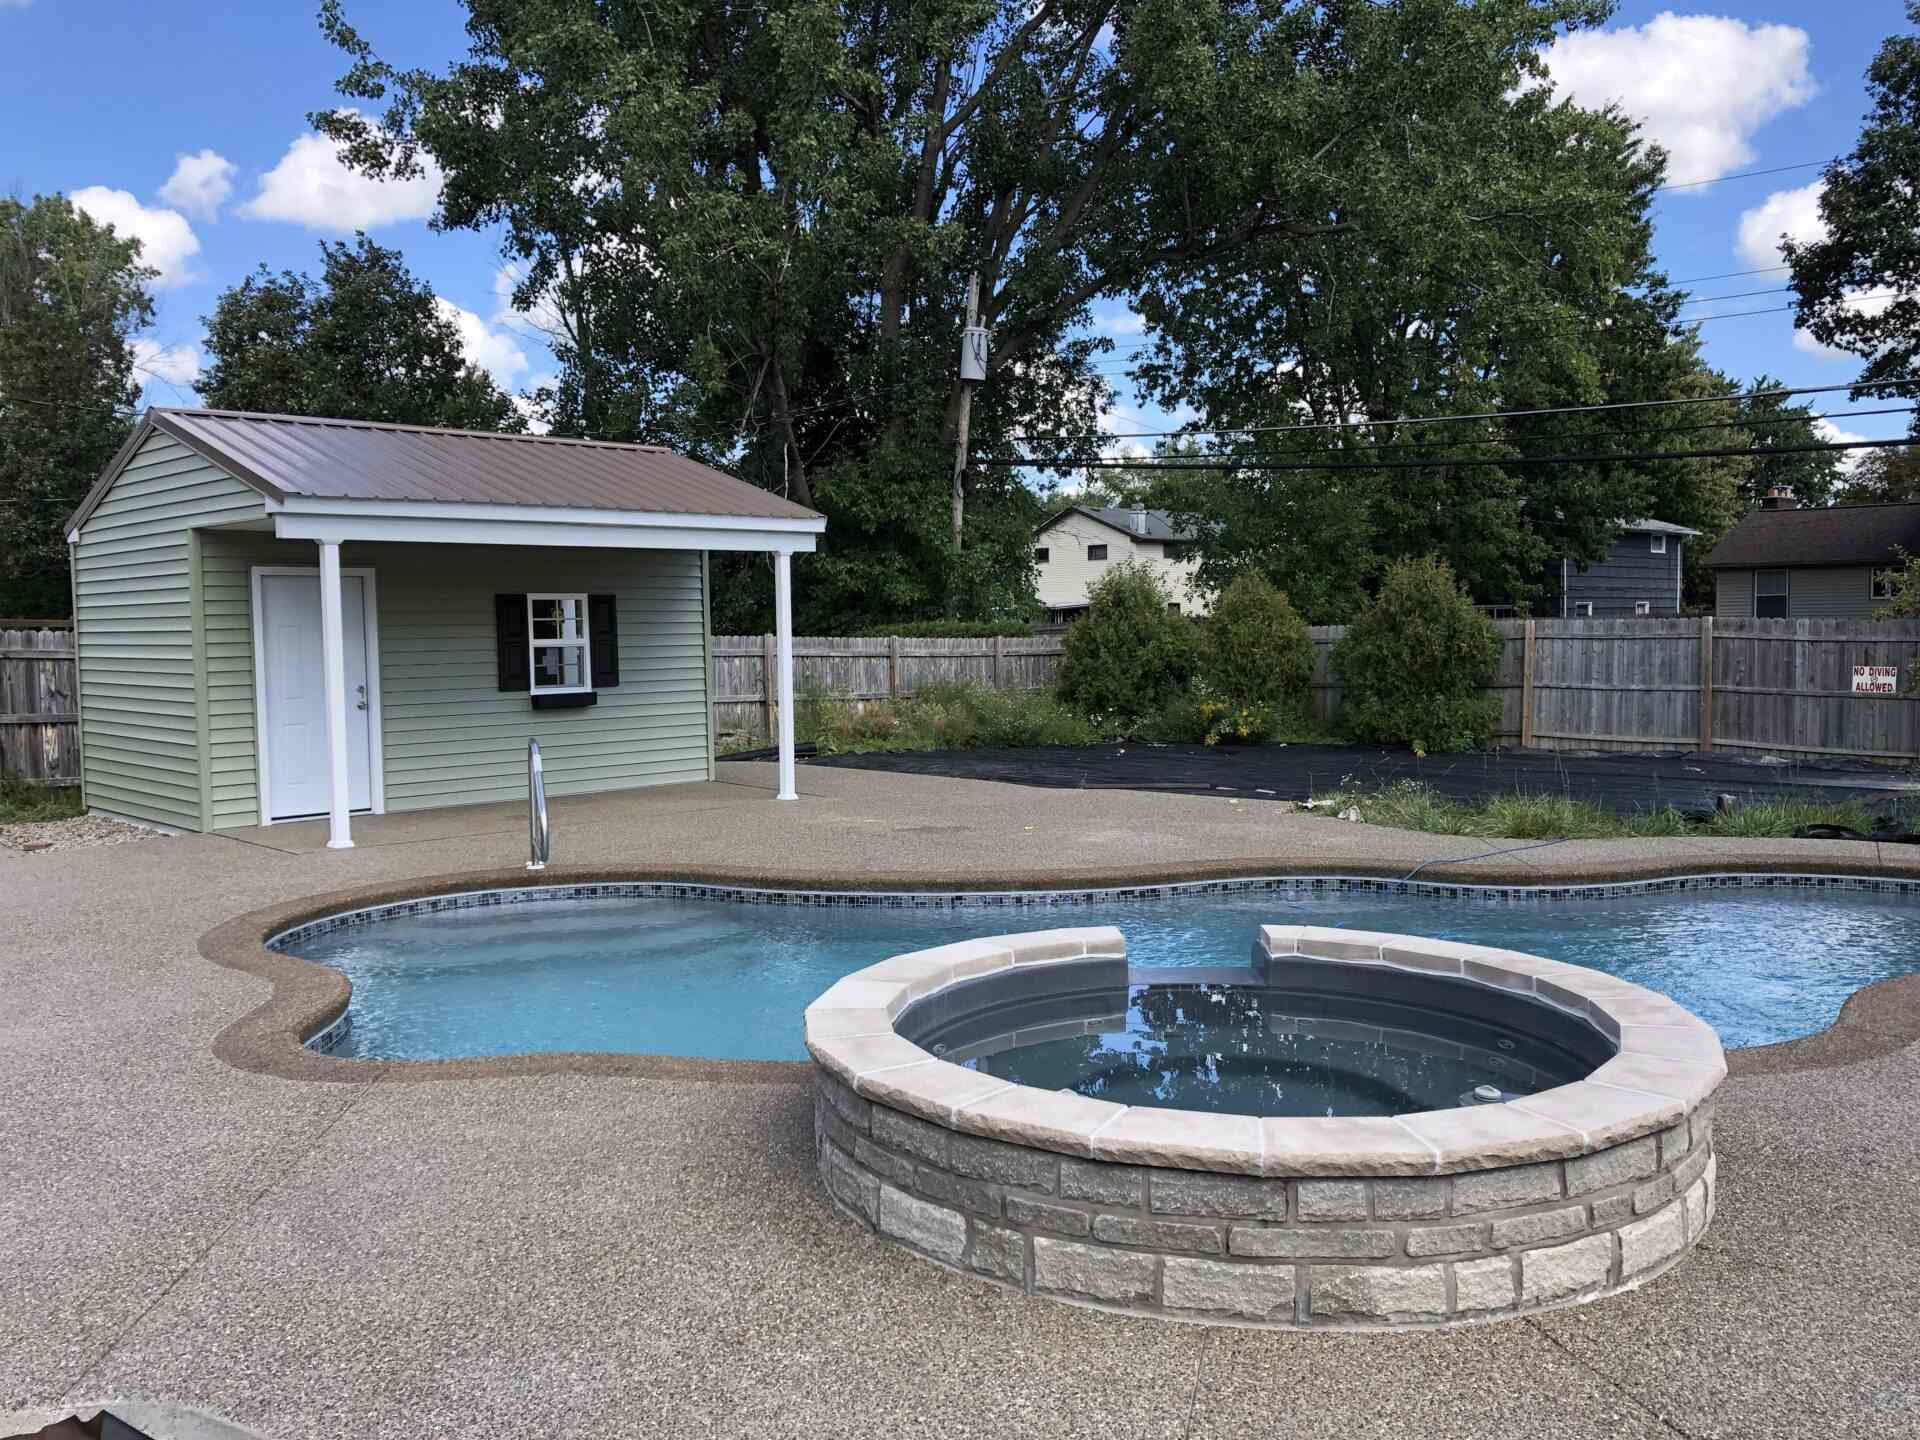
(940, 717)
(1256, 654)
(951, 630)
(1131, 655)
(1414, 662)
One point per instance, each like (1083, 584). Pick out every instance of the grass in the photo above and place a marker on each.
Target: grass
(939, 717)
(1410, 805)
(22, 802)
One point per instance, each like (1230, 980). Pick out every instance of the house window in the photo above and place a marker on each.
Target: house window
(1040, 555)
(1881, 586)
(1657, 544)
(1096, 552)
(1770, 589)
(1173, 607)
(1583, 607)
(559, 652)
(1643, 607)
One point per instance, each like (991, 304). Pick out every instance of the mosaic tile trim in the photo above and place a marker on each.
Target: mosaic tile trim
(336, 1031)
(1282, 885)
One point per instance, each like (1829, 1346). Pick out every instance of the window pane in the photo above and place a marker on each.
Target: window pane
(1096, 552)
(557, 619)
(1040, 556)
(559, 667)
(1770, 607)
(1770, 582)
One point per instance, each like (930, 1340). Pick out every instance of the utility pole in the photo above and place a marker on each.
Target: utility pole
(973, 369)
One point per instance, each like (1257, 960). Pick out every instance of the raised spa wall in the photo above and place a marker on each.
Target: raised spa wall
(1443, 1217)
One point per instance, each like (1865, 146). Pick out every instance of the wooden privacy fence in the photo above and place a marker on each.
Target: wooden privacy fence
(1783, 686)
(39, 702)
(860, 670)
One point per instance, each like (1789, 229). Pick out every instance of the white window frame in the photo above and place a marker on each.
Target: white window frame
(1094, 559)
(584, 645)
(1657, 544)
(1880, 583)
(1583, 609)
(1643, 607)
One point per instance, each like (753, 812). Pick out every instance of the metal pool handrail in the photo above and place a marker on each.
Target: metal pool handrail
(539, 837)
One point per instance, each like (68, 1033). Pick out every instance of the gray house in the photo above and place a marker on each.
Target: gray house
(1830, 563)
(1639, 575)
(281, 618)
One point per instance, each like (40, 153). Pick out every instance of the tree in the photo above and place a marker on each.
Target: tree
(1884, 477)
(1414, 661)
(366, 341)
(1872, 241)
(72, 294)
(753, 225)
(1132, 654)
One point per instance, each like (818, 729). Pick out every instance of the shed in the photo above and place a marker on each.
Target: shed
(280, 617)
(1639, 575)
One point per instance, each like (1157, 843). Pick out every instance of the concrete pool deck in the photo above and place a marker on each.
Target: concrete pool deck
(640, 1256)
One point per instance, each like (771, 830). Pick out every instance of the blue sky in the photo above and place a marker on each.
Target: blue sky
(187, 125)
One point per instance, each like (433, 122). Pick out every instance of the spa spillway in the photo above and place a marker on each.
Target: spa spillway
(1357, 1130)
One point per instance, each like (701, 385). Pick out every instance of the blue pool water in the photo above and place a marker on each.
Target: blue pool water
(729, 979)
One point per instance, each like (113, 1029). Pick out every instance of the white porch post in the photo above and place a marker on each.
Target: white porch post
(333, 666)
(783, 634)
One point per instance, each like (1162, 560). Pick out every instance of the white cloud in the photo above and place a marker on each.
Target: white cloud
(312, 186)
(167, 241)
(15, 4)
(542, 322)
(200, 183)
(491, 350)
(1832, 433)
(1703, 84)
(1794, 213)
(170, 364)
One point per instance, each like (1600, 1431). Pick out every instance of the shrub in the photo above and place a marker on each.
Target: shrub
(944, 717)
(951, 630)
(1256, 654)
(1131, 655)
(1414, 661)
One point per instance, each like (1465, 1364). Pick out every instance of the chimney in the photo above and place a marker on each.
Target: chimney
(1137, 521)
(1778, 498)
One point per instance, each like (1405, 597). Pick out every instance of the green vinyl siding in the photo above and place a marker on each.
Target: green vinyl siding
(450, 736)
(134, 608)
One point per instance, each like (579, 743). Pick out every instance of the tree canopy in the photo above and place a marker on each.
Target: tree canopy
(366, 341)
(1858, 287)
(72, 295)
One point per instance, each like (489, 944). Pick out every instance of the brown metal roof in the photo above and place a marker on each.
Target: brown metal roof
(1828, 535)
(285, 455)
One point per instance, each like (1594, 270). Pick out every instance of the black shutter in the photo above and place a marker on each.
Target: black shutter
(604, 634)
(510, 641)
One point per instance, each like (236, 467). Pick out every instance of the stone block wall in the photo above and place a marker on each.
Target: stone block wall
(1298, 1252)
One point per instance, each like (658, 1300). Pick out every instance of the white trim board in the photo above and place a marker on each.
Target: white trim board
(376, 726)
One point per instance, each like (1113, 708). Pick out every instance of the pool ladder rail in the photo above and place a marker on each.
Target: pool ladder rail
(539, 837)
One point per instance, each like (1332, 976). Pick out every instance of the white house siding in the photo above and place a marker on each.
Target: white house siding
(134, 608)
(450, 736)
(1064, 579)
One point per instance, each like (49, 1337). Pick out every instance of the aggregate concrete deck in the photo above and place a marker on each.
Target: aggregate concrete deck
(610, 1255)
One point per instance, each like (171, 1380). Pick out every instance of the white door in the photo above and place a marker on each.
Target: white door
(293, 702)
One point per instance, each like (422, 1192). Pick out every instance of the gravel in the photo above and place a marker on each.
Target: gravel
(74, 834)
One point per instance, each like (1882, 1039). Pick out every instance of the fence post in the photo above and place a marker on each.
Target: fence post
(768, 665)
(999, 648)
(1526, 688)
(893, 667)
(1706, 682)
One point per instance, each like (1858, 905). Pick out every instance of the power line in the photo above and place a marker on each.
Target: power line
(1231, 462)
(1736, 397)
(1743, 175)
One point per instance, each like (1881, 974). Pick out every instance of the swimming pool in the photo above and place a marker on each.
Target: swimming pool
(729, 978)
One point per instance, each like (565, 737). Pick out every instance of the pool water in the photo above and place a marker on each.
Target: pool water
(1248, 1049)
(730, 979)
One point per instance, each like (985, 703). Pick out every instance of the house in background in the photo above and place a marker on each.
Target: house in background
(281, 618)
(1831, 563)
(1076, 547)
(1639, 575)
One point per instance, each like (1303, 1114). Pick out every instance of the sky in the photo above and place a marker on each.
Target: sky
(187, 126)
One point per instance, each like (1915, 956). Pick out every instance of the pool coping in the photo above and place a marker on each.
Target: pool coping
(309, 996)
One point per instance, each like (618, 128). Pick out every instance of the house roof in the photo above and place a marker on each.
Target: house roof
(1831, 535)
(1160, 524)
(290, 455)
(1656, 527)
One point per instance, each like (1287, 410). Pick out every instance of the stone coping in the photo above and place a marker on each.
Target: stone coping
(308, 997)
(1667, 1062)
